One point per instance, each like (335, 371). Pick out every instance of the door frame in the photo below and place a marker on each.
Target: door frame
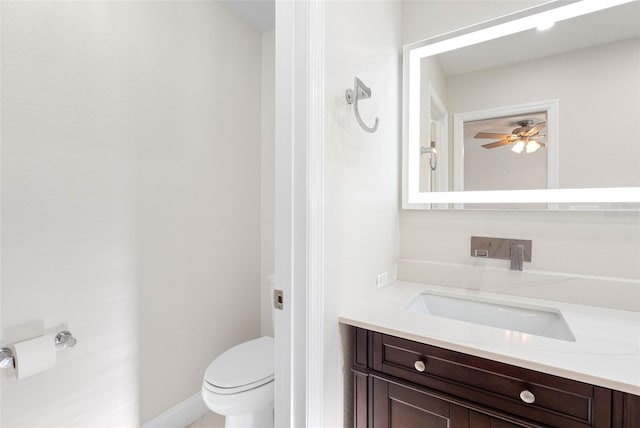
(299, 213)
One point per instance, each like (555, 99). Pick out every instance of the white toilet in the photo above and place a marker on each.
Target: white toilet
(239, 383)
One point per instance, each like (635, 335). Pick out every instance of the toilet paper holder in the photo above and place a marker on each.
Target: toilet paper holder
(63, 340)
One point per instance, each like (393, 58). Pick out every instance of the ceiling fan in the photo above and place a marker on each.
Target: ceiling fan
(525, 136)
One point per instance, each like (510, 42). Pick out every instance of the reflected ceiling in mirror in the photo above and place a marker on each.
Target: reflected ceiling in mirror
(581, 77)
(505, 153)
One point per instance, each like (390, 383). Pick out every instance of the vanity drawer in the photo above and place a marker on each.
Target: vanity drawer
(556, 402)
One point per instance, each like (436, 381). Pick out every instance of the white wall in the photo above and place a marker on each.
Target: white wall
(361, 169)
(502, 169)
(602, 245)
(130, 201)
(267, 180)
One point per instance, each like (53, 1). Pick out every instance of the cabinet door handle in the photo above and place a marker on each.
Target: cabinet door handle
(420, 366)
(527, 396)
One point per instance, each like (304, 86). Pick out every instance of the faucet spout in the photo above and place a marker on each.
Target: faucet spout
(517, 256)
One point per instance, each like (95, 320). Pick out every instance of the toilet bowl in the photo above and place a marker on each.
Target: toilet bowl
(238, 384)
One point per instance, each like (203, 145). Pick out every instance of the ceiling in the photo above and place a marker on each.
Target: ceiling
(260, 14)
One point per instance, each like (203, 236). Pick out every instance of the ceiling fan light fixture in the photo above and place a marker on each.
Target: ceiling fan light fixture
(518, 147)
(532, 146)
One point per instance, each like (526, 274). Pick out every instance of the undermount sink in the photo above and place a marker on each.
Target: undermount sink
(538, 321)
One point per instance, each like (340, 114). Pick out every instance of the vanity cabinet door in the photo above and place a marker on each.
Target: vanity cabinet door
(399, 406)
(626, 410)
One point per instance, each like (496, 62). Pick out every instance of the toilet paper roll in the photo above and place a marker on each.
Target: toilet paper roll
(34, 356)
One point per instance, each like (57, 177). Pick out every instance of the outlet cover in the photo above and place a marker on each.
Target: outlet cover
(382, 279)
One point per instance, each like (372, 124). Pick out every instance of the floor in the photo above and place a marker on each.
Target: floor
(210, 420)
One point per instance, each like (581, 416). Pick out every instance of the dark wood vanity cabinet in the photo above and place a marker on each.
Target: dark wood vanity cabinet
(626, 410)
(399, 383)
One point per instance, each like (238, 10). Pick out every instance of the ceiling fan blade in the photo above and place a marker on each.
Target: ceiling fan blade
(496, 144)
(491, 135)
(536, 128)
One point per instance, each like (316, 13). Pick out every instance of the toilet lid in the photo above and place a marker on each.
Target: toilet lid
(247, 365)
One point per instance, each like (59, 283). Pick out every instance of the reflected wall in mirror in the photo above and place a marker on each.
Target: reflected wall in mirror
(471, 113)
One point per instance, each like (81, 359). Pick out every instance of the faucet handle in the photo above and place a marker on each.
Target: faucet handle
(517, 256)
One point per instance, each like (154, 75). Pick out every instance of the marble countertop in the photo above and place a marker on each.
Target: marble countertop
(606, 351)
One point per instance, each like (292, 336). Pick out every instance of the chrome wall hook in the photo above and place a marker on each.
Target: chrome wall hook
(360, 91)
(433, 159)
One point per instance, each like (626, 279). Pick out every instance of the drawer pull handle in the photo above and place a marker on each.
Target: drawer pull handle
(420, 366)
(527, 396)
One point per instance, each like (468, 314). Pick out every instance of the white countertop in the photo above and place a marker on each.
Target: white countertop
(606, 351)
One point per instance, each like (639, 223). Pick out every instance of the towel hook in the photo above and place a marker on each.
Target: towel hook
(360, 91)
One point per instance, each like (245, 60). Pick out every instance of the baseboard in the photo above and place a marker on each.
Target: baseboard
(181, 415)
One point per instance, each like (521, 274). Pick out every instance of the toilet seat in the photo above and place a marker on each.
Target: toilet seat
(234, 390)
(246, 366)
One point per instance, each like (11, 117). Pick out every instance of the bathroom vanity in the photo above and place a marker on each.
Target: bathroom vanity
(403, 383)
(417, 369)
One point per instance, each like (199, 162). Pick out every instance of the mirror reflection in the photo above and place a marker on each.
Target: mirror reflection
(517, 160)
(555, 107)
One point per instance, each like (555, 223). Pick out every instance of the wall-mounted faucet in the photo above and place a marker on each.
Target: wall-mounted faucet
(517, 251)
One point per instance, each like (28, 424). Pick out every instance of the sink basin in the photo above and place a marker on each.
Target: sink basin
(538, 321)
